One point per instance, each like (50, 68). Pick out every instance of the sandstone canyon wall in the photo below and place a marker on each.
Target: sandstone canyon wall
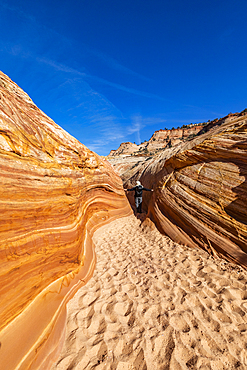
(54, 194)
(200, 196)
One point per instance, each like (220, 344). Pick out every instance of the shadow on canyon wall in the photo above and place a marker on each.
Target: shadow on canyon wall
(237, 209)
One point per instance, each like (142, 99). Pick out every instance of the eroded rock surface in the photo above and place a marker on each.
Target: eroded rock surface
(161, 139)
(200, 190)
(54, 194)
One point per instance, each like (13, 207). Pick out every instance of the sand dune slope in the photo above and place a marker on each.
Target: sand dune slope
(154, 304)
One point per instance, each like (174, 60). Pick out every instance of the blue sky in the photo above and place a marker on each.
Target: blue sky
(113, 71)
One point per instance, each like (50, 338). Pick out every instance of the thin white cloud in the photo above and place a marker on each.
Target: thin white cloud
(139, 122)
(106, 59)
(109, 132)
(59, 66)
(18, 10)
(17, 50)
(147, 121)
(14, 50)
(136, 127)
(113, 63)
(125, 88)
(63, 67)
(91, 106)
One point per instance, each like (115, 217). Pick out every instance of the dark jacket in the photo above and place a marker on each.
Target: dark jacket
(138, 190)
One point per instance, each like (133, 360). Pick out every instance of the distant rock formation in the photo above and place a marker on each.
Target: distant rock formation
(54, 194)
(200, 189)
(161, 139)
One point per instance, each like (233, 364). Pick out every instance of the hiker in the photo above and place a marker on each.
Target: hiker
(138, 189)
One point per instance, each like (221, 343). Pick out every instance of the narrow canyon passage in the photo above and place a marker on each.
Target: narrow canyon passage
(153, 304)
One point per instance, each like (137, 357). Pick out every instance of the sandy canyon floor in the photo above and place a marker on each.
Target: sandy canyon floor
(156, 305)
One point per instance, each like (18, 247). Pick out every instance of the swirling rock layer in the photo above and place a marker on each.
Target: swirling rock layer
(54, 194)
(200, 190)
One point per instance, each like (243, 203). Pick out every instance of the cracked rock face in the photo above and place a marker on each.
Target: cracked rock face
(201, 191)
(54, 194)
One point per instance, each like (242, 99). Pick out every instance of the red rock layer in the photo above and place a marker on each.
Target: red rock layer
(54, 194)
(201, 192)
